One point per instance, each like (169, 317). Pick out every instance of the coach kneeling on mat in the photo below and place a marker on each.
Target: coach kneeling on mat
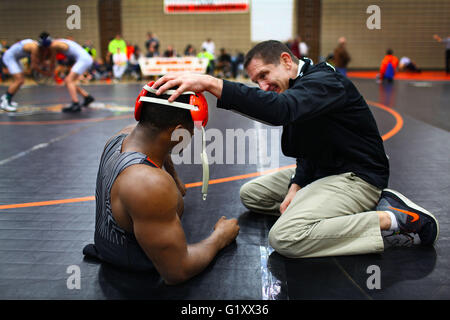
(139, 205)
(333, 203)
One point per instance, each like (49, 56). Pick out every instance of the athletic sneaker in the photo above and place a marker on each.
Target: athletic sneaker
(410, 217)
(88, 100)
(6, 105)
(74, 107)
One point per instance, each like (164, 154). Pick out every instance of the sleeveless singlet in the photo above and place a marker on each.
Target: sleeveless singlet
(16, 50)
(113, 244)
(75, 51)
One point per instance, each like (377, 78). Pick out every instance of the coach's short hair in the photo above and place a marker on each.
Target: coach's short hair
(269, 51)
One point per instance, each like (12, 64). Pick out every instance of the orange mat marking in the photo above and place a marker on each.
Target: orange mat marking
(389, 134)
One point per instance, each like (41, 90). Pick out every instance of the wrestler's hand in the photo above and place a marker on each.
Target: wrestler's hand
(227, 229)
(187, 81)
(288, 199)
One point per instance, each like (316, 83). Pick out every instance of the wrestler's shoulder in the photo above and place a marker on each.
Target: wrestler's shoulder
(145, 177)
(147, 190)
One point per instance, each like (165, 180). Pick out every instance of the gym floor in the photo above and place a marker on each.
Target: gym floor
(48, 168)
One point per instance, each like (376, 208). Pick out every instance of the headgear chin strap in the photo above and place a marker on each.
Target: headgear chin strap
(198, 107)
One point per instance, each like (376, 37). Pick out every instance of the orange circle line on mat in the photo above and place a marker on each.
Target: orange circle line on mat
(389, 134)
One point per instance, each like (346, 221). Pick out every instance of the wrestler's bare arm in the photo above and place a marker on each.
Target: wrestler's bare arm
(150, 198)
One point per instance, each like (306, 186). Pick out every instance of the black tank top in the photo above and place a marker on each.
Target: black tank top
(113, 244)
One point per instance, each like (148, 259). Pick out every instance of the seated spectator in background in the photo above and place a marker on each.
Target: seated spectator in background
(114, 44)
(388, 67)
(237, 64)
(120, 64)
(130, 49)
(100, 70)
(341, 57)
(224, 64)
(406, 64)
(133, 64)
(170, 52)
(205, 54)
(190, 51)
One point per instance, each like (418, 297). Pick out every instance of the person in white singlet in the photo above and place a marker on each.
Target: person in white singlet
(83, 61)
(11, 59)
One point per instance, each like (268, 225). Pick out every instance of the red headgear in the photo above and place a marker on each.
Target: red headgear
(197, 104)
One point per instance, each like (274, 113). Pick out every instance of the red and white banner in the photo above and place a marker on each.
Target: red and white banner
(160, 66)
(206, 6)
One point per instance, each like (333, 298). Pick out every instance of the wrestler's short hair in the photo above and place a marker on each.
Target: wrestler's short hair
(269, 51)
(162, 117)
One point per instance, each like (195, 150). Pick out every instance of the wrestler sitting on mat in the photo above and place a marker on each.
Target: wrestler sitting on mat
(139, 205)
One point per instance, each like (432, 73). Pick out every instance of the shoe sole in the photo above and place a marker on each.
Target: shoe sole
(13, 109)
(7, 107)
(411, 204)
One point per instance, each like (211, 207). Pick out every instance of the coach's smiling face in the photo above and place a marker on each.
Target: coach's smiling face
(272, 77)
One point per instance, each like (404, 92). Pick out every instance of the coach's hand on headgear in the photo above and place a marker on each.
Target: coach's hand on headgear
(185, 81)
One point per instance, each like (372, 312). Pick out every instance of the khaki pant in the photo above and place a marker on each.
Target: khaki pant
(330, 217)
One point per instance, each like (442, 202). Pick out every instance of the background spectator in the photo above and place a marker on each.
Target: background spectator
(89, 47)
(237, 64)
(406, 64)
(153, 44)
(447, 50)
(133, 64)
(388, 67)
(295, 46)
(341, 57)
(205, 54)
(190, 51)
(3, 70)
(209, 46)
(303, 48)
(170, 52)
(100, 71)
(120, 64)
(152, 51)
(130, 50)
(115, 44)
(224, 64)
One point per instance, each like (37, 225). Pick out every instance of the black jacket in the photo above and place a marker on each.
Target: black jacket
(327, 125)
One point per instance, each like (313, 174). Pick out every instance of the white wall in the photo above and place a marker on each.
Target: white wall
(271, 20)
